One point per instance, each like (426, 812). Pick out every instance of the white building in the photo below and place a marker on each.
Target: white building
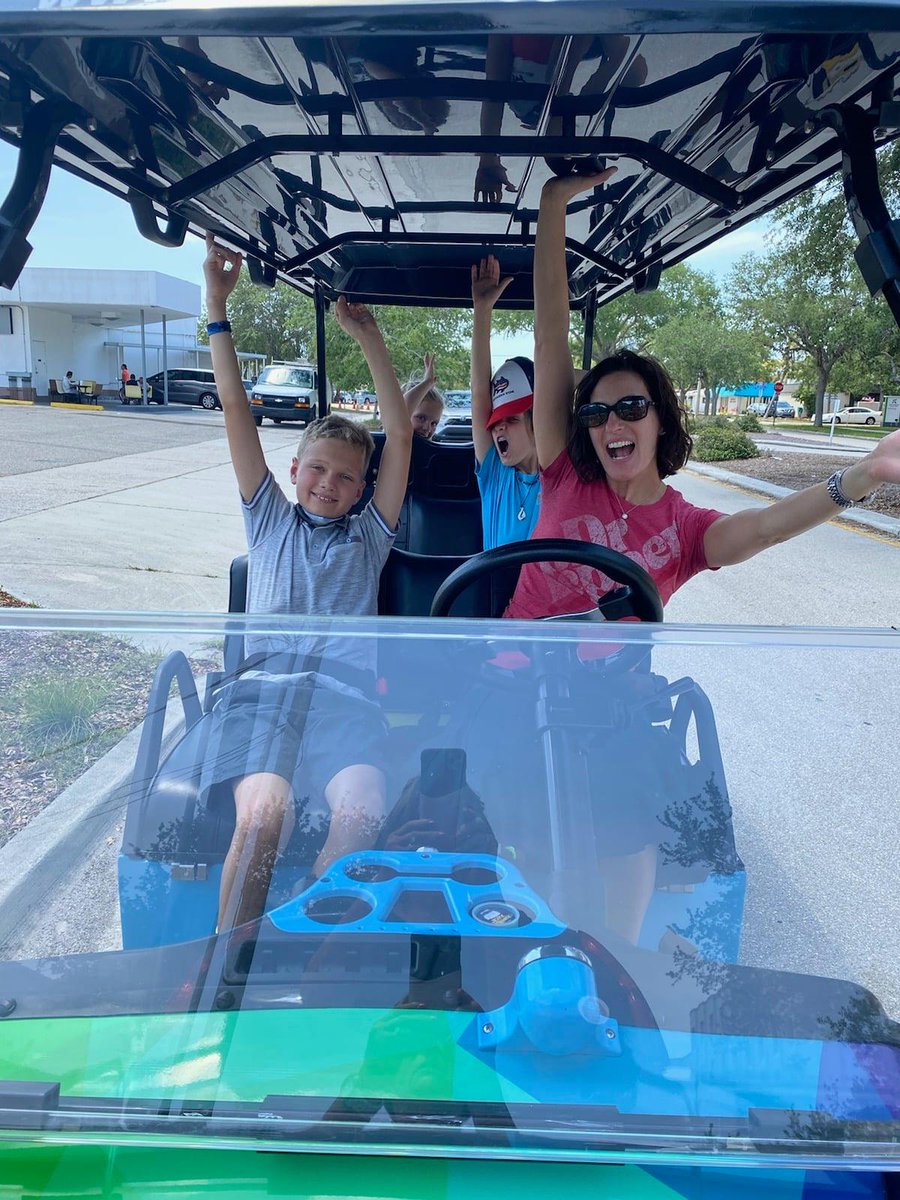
(90, 322)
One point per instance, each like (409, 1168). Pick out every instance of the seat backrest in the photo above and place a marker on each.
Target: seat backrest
(133, 391)
(409, 582)
(53, 387)
(441, 513)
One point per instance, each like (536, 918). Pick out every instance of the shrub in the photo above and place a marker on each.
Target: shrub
(697, 421)
(716, 444)
(749, 422)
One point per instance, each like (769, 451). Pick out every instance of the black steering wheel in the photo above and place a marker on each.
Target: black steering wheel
(636, 596)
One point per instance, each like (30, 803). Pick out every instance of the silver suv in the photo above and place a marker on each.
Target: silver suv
(286, 391)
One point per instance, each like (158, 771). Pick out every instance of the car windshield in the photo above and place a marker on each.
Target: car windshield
(286, 377)
(475, 967)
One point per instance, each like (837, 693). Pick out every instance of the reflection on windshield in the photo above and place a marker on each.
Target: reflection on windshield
(284, 376)
(580, 918)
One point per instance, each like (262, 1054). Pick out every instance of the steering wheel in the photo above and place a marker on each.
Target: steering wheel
(636, 596)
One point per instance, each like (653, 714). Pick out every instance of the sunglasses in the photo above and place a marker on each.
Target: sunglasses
(629, 408)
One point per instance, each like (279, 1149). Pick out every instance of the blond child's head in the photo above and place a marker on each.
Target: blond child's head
(329, 470)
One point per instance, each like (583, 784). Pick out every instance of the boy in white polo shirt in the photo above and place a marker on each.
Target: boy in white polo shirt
(296, 734)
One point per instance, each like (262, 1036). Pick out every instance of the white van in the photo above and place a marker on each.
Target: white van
(287, 391)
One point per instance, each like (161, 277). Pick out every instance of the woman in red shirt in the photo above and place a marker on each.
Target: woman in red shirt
(603, 464)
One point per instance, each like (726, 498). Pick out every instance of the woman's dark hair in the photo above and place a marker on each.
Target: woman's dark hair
(674, 445)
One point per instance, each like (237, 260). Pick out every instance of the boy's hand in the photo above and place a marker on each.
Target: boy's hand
(487, 286)
(355, 319)
(566, 187)
(221, 269)
(429, 376)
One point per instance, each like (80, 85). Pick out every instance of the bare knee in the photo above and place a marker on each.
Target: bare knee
(260, 802)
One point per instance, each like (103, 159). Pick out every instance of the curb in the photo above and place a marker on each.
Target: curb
(9, 400)
(76, 407)
(859, 516)
(35, 862)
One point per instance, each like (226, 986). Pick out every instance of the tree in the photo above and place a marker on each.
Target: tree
(269, 321)
(631, 320)
(705, 348)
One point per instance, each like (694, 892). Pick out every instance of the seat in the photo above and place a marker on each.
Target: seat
(441, 513)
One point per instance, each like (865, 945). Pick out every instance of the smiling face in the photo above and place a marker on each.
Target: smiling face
(514, 439)
(329, 477)
(626, 449)
(426, 416)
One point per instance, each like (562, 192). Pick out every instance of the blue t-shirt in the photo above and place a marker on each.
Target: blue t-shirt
(505, 492)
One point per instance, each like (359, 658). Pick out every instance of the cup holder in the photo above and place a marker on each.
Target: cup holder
(338, 910)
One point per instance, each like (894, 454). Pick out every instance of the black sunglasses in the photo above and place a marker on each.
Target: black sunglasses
(629, 408)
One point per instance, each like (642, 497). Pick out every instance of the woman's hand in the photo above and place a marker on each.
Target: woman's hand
(881, 466)
(567, 187)
(221, 269)
(487, 286)
(355, 319)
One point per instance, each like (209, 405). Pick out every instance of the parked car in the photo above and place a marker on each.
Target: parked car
(187, 385)
(856, 414)
(285, 391)
(763, 408)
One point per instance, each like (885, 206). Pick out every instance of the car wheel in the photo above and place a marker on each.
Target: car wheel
(257, 419)
(276, 420)
(208, 401)
(870, 420)
(837, 420)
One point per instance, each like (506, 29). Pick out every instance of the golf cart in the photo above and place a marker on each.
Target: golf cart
(448, 1007)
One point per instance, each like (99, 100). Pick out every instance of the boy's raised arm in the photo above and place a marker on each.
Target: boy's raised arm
(487, 288)
(221, 269)
(393, 473)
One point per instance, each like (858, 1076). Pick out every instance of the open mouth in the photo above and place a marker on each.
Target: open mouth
(618, 450)
(502, 446)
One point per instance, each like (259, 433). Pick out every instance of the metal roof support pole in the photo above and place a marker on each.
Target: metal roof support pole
(321, 372)
(143, 360)
(165, 364)
(878, 253)
(590, 312)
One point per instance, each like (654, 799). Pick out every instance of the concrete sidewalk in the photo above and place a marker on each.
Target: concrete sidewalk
(150, 531)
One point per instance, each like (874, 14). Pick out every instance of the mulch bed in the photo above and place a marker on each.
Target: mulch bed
(801, 470)
(38, 760)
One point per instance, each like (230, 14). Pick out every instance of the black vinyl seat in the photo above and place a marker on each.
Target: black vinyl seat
(441, 513)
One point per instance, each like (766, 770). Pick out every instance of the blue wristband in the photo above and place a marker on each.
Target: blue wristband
(218, 327)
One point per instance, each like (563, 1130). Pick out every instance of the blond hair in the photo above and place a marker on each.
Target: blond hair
(340, 429)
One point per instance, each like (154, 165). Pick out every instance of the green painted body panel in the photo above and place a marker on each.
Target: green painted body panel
(404, 1054)
(129, 1173)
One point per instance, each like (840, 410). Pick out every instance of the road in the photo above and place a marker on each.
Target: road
(147, 517)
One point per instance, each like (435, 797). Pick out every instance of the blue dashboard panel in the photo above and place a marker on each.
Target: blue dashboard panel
(420, 891)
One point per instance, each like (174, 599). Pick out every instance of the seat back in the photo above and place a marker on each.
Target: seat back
(133, 391)
(441, 514)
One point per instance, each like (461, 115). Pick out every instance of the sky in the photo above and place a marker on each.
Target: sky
(80, 225)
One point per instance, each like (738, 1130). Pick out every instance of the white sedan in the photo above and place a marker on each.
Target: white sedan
(856, 414)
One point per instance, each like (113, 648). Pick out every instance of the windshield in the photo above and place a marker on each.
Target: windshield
(625, 897)
(286, 377)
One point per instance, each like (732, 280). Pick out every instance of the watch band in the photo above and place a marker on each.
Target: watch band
(218, 327)
(836, 492)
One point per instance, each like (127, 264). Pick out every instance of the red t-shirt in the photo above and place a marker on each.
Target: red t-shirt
(665, 538)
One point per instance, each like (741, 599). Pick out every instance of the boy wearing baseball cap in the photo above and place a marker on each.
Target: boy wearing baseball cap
(505, 452)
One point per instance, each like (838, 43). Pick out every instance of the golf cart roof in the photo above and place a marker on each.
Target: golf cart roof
(339, 145)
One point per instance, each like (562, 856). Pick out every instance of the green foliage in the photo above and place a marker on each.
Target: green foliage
(59, 712)
(748, 422)
(714, 443)
(280, 323)
(696, 422)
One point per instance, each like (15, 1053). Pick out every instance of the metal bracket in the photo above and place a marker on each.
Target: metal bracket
(261, 273)
(878, 252)
(148, 225)
(647, 279)
(41, 128)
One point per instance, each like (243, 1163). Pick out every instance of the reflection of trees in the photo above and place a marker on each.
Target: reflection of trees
(702, 827)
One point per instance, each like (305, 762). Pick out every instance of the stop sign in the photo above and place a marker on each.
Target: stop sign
(779, 388)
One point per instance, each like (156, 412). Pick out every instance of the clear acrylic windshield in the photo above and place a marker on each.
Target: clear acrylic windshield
(533, 891)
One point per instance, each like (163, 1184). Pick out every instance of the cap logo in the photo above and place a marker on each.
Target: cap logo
(500, 385)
